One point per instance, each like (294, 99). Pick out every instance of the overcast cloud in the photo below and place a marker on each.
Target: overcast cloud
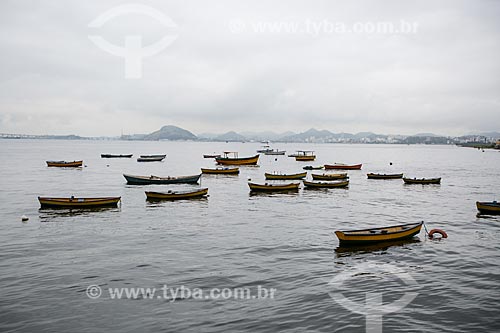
(445, 78)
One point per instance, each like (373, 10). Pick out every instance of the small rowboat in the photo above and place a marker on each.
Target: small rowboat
(305, 155)
(273, 187)
(221, 171)
(284, 177)
(310, 167)
(235, 160)
(155, 180)
(211, 155)
(116, 156)
(342, 184)
(177, 195)
(151, 159)
(275, 152)
(329, 176)
(64, 164)
(384, 176)
(422, 180)
(73, 202)
(340, 166)
(154, 156)
(488, 208)
(377, 235)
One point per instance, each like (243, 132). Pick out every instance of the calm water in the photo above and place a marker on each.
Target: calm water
(232, 239)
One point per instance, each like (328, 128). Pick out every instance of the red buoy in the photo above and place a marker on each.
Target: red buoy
(437, 231)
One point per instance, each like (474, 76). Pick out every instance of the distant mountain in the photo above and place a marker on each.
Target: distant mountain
(266, 135)
(311, 135)
(495, 135)
(230, 136)
(427, 134)
(171, 133)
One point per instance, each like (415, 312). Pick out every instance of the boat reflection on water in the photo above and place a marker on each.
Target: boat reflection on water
(345, 251)
(51, 214)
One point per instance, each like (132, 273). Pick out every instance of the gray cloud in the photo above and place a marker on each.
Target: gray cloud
(444, 78)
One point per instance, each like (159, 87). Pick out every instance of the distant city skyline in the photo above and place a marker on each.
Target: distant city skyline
(284, 66)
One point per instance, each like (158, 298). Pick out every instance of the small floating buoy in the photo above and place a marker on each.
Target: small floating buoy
(437, 231)
(24, 218)
(275, 158)
(107, 165)
(390, 163)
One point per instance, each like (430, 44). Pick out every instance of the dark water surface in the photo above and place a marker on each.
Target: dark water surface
(232, 239)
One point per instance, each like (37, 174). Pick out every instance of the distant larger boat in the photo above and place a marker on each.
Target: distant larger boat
(64, 164)
(231, 158)
(155, 180)
(377, 235)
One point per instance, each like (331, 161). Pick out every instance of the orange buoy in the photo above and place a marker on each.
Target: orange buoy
(437, 231)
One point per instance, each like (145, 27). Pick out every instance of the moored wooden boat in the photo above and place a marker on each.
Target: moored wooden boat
(275, 152)
(285, 176)
(235, 160)
(329, 176)
(377, 235)
(488, 208)
(176, 195)
(422, 180)
(155, 180)
(310, 167)
(273, 187)
(64, 164)
(384, 176)
(151, 159)
(72, 202)
(340, 184)
(221, 171)
(341, 166)
(305, 155)
(154, 156)
(116, 155)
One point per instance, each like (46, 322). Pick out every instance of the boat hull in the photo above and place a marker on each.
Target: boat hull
(378, 235)
(116, 156)
(333, 176)
(211, 156)
(422, 181)
(47, 202)
(154, 180)
(238, 160)
(63, 164)
(343, 167)
(150, 159)
(273, 188)
(326, 185)
(285, 177)
(305, 158)
(488, 208)
(176, 195)
(384, 176)
(221, 171)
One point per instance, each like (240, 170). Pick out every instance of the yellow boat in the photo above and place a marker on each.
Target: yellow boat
(231, 158)
(488, 208)
(325, 184)
(64, 164)
(422, 180)
(304, 155)
(73, 202)
(221, 171)
(377, 235)
(176, 195)
(273, 187)
(329, 176)
(284, 176)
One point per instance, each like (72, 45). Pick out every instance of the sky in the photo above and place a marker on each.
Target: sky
(250, 66)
